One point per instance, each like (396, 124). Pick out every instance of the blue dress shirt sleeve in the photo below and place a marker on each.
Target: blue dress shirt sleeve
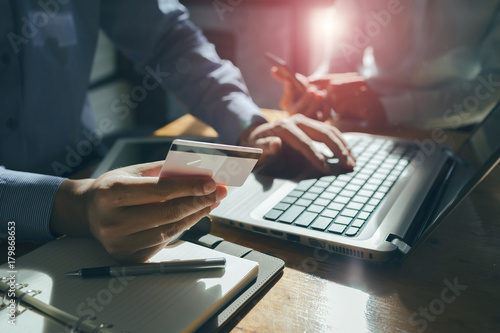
(164, 45)
(26, 199)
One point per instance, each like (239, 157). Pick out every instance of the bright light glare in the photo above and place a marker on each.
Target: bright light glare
(326, 25)
(349, 311)
(326, 29)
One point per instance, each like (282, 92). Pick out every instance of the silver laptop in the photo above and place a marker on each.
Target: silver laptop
(399, 192)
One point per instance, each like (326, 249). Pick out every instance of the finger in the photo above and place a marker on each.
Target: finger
(270, 146)
(144, 170)
(324, 111)
(292, 135)
(132, 191)
(330, 136)
(288, 98)
(302, 104)
(321, 83)
(275, 73)
(164, 234)
(138, 218)
(312, 110)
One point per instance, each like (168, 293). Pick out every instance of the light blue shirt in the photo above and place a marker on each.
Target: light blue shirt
(46, 124)
(434, 63)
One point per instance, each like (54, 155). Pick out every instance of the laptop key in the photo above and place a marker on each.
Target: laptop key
(281, 206)
(296, 194)
(365, 193)
(370, 187)
(288, 199)
(369, 208)
(333, 189)
(383, 189)
(322, 184)
(291, 214)
(374, 201)
(337, 228)
(315, 208)
(328, 178)
(349, 212)
(331, 213)
(343, 220)
(341, 199)
(336, 206)
(310, 196)
(303, 202)
(327, 195)
(360, 199)
(353, 187)
(358, 182)
(273, 214)
(363, 215)
(355, 205)
(305, 184)
(316, 189)
(305, 219)
(321, 223)
(357, 223)
(352, 231)
(347, 193)
(321, 202)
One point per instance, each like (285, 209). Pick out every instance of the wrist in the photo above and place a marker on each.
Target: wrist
(69, 210)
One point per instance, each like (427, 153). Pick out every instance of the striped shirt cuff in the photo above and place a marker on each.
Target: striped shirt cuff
(26, 199)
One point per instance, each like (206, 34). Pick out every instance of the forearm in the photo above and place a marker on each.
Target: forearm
(211, 89)
(179, 57)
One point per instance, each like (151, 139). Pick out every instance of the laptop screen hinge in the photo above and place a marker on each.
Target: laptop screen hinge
(402, 246)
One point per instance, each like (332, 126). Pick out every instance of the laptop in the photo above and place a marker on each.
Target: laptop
(399, 192)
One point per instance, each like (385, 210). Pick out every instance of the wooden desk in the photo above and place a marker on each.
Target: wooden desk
(321, 292)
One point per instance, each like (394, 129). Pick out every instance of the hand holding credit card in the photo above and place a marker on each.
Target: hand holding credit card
(227, 165)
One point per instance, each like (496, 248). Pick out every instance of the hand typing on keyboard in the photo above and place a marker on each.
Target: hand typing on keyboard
(289, 146)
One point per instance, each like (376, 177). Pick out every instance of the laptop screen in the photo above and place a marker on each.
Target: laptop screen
(480, 154)
(481, 147)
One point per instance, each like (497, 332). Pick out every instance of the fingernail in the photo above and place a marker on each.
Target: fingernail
(210, 187)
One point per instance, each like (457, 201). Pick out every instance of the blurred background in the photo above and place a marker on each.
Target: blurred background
(242, 31)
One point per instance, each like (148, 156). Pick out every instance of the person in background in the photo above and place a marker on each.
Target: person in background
(403, 63)
(46, 52)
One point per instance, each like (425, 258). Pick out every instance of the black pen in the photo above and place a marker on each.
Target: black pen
(151, 268)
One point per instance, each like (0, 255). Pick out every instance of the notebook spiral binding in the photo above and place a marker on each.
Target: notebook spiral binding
(15, 291)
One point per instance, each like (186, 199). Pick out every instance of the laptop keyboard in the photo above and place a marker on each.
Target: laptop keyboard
(342, 204)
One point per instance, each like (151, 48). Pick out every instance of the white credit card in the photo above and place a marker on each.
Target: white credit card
(227, 165)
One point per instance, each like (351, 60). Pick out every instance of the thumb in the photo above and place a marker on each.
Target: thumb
(276, 74)
(151, 169)
(270, 147)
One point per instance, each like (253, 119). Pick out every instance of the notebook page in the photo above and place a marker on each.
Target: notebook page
(178, 302)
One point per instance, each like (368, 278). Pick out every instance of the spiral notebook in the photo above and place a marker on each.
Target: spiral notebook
(48, 301)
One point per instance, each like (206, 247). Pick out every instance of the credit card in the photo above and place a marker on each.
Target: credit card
(227, 165)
